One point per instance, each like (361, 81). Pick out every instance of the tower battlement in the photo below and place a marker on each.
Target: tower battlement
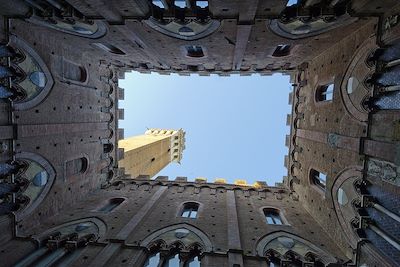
(149, 153)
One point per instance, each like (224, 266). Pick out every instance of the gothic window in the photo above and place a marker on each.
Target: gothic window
(78, 234)
(112, 204)
(194, 51)
(272, 216)
(318, 179)
(281, 50)
(74, 26)
(74, 72)
(171, 260)
(107, 148)
(109, 48)
(76, 166)
(324, 92)
(190, 210)
(31, 180)
(152, 260)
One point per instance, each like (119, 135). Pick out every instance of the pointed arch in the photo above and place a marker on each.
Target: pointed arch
(201, 238)
(51, 175)
(282, 243)
(49, 81)
(350, 175)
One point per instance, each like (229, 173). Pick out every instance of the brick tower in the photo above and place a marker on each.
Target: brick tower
(149, 153)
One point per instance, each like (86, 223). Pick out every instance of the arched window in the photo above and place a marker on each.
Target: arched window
(318, 179)
(190, 210)
(171, 260)
(109, 48)
(272, 216)
(112, 204)
(324, 92)
(281, 50)
(80, 232)
(76, 166)
(30, 182)
(74, 72)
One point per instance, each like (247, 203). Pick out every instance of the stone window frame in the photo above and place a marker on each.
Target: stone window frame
(278, 52)
(106, 202)
(182, 206)
(313, 184)
(318, 87)
(281, 213)
(81, 67)
(148, 243)
(109, 48)
(325, 90)
(262, 242)
(73, 158)
(196, 46)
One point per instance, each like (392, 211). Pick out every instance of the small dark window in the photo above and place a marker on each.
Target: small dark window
(318, 179)
(72, 71)
(272, 216)
(190, 210)
(194, 51)
(153, 159)
(110, 48)
(324, 92)
(281, 50)
(76, 166)
(107, 148)
(112, 204)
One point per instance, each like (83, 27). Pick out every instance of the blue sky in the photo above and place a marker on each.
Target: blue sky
(235, 126)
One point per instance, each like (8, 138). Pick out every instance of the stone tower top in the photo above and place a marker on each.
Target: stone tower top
(177, 141)
(149, 153)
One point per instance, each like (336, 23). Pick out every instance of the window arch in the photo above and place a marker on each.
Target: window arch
(190, 210)
(107, 148)
(282, 50)
(272, 216)
(195, 51)
(33, 178)
(324, 93)
(173, 258)
(112, 204)
(74, 72)
(109, 48)
(282, 247)
(318, 179)
(76, 166)
(79, 232)
(181, 242)
(35, 81)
